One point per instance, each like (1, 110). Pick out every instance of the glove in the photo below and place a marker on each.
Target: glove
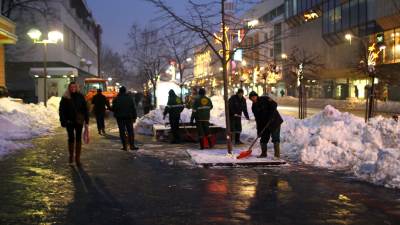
(247, 118)
(63, 124)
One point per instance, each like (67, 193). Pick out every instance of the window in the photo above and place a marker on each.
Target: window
(271, 52)
(362, 6)
(277, 48)
(345, 15)
(353, 13)
(338, 18)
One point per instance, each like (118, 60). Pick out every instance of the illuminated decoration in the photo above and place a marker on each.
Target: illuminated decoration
(202, 64)
(310, 16)
(218, 40)
(373, 54)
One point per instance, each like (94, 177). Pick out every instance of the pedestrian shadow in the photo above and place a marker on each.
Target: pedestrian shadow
(93, 203)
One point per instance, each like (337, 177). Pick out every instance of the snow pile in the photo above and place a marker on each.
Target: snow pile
(144, 125)
(330, 139)
(24, 121)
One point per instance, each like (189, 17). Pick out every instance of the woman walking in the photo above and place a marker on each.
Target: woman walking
(73, 115)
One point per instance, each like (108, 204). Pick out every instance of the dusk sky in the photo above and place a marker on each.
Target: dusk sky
(117, 16)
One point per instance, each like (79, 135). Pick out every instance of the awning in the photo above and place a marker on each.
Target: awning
(54, 71)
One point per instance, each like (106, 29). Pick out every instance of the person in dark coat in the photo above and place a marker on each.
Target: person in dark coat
(74, 114)
(237, 106)
(174, 108)
(146, 103)
(201, 108)
(100, 103)
(125, 112)
(266, 113)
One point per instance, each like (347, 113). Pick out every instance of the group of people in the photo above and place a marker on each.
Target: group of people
(264, 108)
(74, 116)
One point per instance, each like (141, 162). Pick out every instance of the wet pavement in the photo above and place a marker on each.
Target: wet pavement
(160, 185)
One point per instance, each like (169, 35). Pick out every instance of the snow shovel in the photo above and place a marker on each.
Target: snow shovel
(247, 153)
(188, 135)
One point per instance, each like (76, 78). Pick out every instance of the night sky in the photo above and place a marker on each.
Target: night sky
(117, 16)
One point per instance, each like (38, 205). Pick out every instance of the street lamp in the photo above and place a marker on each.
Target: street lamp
(53, 37)
(284, 56)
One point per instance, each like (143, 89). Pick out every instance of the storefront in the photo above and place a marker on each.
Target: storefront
(57, 80)
(7, 36)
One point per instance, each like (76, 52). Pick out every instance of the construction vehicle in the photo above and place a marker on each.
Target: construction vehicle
(92, 84)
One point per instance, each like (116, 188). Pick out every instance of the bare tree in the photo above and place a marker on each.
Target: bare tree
(180, 48)
(214, 22)
(146, 50)
(113, 64)
(11, 8)
(304, 66)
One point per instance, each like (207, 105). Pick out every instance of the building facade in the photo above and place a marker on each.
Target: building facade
(75, 58)
(340, 32)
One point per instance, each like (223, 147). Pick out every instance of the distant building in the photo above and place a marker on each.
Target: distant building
(320, 26)
(74, 59)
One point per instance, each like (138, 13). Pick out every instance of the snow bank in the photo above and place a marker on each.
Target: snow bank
(23, 121)
(330, 139)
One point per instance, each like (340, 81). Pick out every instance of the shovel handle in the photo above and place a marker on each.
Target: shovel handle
(261, 133)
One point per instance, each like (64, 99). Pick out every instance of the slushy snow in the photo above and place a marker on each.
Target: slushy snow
(24, 121)
(330, 139)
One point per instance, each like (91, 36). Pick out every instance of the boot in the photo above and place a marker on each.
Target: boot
(264, 148)
(277, 150)
(124, 145)
(71, 153)
(132, 143)
(237, 139)
(201, 144)
(210, 144)
(103, 131)
(78, 149)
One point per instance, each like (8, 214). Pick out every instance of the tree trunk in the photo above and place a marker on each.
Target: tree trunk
(225, 76)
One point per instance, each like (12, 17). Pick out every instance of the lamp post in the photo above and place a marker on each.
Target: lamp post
(53, 37)
(372, 54)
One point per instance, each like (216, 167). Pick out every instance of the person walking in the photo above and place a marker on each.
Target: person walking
(266, 114)
(100, 103)
(237, 106)
(174, 108)
(74, 115)
(125, 112)
(201, 108)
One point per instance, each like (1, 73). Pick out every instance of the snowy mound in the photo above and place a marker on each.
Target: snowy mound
(23, 121)
(144, 125)
(330, 139)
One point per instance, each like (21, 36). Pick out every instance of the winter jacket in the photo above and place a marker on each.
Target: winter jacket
(201, 108)
(174, 107)
(100, 103)
(237, 106)
(124, 107)
(265, 110)
(73, 109)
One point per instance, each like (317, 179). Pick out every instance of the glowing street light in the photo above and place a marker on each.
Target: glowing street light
(53, 37)
(348, 37)
(284, 56)
(253, 23)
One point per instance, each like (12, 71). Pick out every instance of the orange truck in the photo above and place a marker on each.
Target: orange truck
(91, 86)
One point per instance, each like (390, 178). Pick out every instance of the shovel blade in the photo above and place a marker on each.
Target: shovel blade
(244, 154)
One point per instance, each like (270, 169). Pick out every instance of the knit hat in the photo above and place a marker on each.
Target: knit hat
(252, 94)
